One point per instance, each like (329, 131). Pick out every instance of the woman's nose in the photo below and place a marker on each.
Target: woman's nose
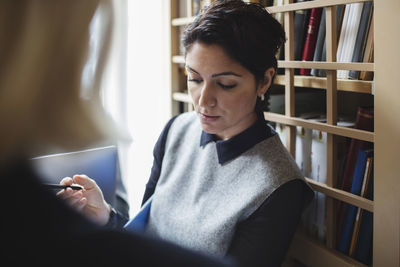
(207, 97)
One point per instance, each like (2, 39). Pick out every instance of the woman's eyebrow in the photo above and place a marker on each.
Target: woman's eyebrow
(217, 74)
(226, 73)
(192, 70)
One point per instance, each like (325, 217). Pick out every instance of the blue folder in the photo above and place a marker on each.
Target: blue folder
(139, 222)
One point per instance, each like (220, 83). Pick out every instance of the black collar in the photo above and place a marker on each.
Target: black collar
(235, 146)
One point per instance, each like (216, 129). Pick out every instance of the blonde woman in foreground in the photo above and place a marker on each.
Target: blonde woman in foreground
(44, 45)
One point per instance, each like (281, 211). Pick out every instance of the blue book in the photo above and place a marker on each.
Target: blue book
(363, 252)
(139, 222)
(351, 211)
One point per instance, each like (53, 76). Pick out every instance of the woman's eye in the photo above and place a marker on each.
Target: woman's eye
(225, 86)
(194, 80)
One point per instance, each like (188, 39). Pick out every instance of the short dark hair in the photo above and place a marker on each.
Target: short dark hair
(246, 31)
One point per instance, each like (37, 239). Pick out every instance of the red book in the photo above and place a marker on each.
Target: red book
(364, 121)
(311, 38)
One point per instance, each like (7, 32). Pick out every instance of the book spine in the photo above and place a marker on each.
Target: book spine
(339, 20)
(300, 24)
(351, 211)
(278, 16)
(358, 218)
(311, 37)
(364, 121)
(354, 26)
(363, 251)
(361, 38)
(342, 34)
(319, 45)
(368, 53)
(344, 37)
(196, 7)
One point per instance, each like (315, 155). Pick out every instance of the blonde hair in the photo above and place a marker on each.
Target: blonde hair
(43, 49)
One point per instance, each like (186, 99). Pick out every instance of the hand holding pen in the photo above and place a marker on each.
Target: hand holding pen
(88, 199)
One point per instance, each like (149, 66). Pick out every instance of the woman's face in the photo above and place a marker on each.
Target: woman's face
(224, 93)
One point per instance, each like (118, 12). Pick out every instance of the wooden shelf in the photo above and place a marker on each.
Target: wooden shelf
(182, 21)
(320, 83)
(386, 233)
(182, 97)
(309, 64)
(312, 253)
(325, 65)
(284, 8)
(311, 4)
(332, 129)
(342, 195)
(178, 59)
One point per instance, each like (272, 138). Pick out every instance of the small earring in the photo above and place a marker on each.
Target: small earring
(262, 97)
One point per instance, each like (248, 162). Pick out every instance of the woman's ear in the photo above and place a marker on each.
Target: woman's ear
(266, 84)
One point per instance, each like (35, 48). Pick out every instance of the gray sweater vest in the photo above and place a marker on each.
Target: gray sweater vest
(198, 202)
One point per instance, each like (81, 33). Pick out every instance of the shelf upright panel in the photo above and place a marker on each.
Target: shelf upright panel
(289, 80)
(174, 43)
(386, 245)
(331, 116)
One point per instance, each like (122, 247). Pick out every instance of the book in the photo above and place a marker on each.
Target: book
(303, 150)
(343, 32)
(369, 52)
(367, 176)
(319, 45)
(278, 16)
(351, 211)
(204, 4)
(349, 39)
(311, 157)
(363, 250)
(364, 121)
(311, 38)
(339, 21)
(319, 174)
(196, 7)
(361, 38)
(300, 22)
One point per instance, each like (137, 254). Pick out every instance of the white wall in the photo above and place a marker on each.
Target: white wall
(136, 89)
(147, 95)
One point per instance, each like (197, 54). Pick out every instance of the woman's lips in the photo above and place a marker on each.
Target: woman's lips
(208, 118)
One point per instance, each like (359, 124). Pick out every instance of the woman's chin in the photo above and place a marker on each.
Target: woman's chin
(208, 129)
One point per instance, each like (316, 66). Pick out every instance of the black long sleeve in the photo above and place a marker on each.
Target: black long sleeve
(158, 153)
(264, 238)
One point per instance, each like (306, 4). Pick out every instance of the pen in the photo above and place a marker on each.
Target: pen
(60, 186)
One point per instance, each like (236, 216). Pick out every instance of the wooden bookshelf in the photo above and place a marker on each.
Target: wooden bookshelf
(386, 137)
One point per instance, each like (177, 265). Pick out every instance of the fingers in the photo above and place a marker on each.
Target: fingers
(73, 198)
(67, 181)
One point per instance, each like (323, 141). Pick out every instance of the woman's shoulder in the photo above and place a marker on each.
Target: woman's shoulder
(186, 117)
(184, 122)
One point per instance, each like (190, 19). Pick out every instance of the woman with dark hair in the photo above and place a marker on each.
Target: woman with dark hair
(222, 182)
